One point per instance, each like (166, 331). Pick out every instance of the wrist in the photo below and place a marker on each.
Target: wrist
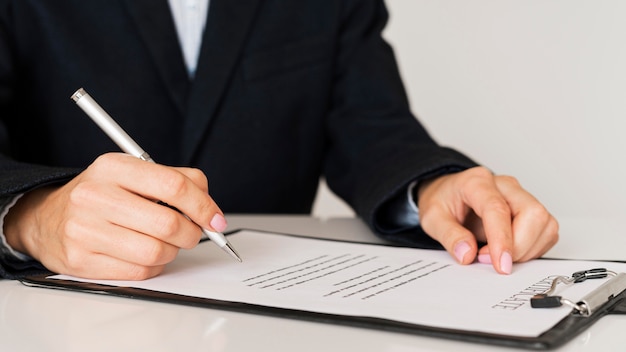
(21, 222)
(422, 187)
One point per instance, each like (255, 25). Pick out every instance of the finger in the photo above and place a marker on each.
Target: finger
(484, 256)
(481, 194)
(196, 176)
(546, 241)
(120, 243)
(158, 182)
(82, 252)
(119, 207)
(103, 267)
(475, 225)
(93, 232)
(547, 237)
(535, 230)
(217, 222)
(179, 191)
(442, 226)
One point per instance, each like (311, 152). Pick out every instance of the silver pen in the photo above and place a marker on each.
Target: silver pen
(128, 145)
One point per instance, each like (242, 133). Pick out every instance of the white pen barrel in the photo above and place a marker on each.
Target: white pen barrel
(219, 239)
(108, 125)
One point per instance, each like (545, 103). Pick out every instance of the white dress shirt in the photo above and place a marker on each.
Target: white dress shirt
(190, 19)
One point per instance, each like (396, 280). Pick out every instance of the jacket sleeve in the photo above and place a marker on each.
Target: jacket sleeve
(377, 147)
(17, 177)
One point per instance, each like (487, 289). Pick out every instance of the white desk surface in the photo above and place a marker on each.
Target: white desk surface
(35, 319)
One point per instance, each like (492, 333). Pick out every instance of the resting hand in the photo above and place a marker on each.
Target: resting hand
(460, 210)
(106, 224)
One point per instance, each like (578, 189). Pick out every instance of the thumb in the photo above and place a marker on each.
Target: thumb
(456, 239)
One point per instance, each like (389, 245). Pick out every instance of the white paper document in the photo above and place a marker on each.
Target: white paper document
(424, 287)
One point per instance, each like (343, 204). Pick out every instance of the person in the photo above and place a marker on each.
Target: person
(263, 100)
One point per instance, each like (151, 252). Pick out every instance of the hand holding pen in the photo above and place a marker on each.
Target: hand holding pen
(128, 145)
(105, 222)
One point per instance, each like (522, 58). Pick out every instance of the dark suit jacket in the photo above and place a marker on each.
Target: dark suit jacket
(285, 92)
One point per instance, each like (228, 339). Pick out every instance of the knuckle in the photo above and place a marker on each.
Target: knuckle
(539, 213)
(474, 179)
(101, 161)
(82, 193)
(190, 239)
(191, 242)
(74, 233)
(104, 161)
(198, 177)
(508, 180)
(479, 172)
(166, 225)
(105, 158)
(553, 231)
(206, 206)
(152, 254)
(139, 272)
(156, 254)
(75, 260)
(71, 230)
(498, 206)
(173, 184)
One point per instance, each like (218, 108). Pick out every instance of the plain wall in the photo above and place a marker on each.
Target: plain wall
(532, 88)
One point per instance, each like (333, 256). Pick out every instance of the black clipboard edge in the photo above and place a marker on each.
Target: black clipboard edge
(562, 333)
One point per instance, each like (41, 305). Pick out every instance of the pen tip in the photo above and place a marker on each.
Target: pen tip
(230, 250)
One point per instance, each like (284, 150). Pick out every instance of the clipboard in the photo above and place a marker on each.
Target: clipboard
(608, 298)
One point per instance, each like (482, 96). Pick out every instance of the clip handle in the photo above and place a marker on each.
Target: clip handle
(543, 300)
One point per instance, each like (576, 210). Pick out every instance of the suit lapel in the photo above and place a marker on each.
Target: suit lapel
(156, 27)
(226, 29)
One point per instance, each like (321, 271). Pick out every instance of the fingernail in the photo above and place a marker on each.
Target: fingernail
(484, 258)
(460, 250)
(506, 263)
(218, 223)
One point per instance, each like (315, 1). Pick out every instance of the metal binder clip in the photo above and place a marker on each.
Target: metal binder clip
(588, 304)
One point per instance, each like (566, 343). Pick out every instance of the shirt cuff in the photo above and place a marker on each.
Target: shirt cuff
(413, 200)
(5, 248)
